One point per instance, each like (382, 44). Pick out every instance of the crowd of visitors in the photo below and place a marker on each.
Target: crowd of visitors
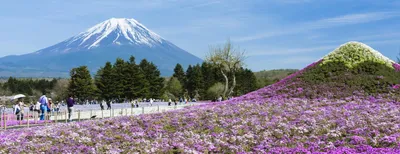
(45, 105)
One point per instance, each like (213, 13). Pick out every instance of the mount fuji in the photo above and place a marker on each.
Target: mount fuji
(106, 41)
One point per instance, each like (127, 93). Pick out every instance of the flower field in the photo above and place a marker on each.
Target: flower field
(281, 125)
(291, 116)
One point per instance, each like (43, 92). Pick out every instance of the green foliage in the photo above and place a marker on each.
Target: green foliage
(228, 59)
(104, 81)
(135, 80)
(246, 82)
(354, 53)
(265, 78)
(216, 90)
(194, 80)
(120, 69)
(179, 73)
(174, 87)
(152, 76)
(81, 83)
(61, 89)
(27, 86)
(127, 80)
(370, 76)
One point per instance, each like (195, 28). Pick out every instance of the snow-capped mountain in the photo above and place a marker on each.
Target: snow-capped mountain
(106, 41)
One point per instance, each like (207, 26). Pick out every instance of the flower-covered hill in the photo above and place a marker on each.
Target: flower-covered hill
(278, 126)
(295, 115)
(353, 69)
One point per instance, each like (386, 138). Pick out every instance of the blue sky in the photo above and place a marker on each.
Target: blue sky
(274, 33)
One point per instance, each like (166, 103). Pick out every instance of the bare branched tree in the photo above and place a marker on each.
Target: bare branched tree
(229, 60)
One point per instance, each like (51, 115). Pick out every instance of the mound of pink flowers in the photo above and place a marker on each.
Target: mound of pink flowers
(263, 121)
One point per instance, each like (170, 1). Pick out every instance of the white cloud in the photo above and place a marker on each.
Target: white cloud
(293, 50)
(322, 24)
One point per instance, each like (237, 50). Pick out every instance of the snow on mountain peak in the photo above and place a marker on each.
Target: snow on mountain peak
(121, 31)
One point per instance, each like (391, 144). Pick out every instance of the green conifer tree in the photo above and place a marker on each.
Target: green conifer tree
(81, 83)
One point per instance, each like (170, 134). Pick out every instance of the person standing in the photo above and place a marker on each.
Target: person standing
(102, 105)
(108, 105)
(151, 101)
(49, 107)
(22, 106)
(57, 107)
(169, 102)
(137, 103)
(17, 111)
(1, 112)
(70, 105)
(43, 105)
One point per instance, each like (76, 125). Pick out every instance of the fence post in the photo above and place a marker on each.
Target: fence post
(19, 117)
(91, 114)
(45, 117)
(28, 119)
(56, 117)
(5, 123)
(79, 115)
(142, 110)
(158, 108)
(102, 115)
(131, 110)
(66, 118)
(126, 112)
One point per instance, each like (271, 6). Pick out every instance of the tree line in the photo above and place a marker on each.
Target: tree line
(27, 86)
(221, 74)
(126, 80)
(122, 80)
(205, 82)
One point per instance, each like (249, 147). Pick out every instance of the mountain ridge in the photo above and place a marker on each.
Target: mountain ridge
(106, 41)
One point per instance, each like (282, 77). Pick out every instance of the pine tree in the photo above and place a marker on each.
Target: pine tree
(105, 82)
(246, 80)
(194, 80)
(136, 82)
(189, 82)
(81, 83)
(179, 74)
(152, 75)
(120, 81)
(198, 82)
(210, 78)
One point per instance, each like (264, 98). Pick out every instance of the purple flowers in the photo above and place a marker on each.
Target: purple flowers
(396, 66)
(274, 119)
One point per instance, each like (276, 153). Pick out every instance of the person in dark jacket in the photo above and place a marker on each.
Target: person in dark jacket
(108, 105)
(70, 105)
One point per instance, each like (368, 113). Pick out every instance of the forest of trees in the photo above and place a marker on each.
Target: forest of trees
(221, 74)
(127, 80)
(205, 82)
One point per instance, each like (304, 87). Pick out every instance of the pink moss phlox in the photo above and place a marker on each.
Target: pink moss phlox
(396, 67)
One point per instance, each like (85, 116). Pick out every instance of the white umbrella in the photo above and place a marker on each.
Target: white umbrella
(18, 96)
